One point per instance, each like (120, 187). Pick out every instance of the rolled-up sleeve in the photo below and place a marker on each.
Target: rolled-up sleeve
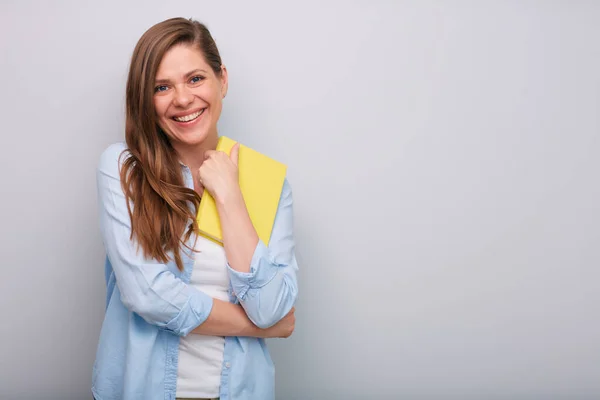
(147, 287)
(269, 290)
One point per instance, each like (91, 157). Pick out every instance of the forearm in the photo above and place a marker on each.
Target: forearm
(239, 236)
(227, 319)
(270, 290)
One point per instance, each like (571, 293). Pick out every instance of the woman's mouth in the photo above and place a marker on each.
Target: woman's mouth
(190, 117)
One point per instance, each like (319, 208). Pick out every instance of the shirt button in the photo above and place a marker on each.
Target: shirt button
(227, 365)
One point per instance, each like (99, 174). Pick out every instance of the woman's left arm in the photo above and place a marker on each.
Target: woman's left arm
(263, 278)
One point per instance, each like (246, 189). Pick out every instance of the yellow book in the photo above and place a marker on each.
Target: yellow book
(261, 181)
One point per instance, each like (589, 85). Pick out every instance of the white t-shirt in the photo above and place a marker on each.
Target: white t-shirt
(201, 357)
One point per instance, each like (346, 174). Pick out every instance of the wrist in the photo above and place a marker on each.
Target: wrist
(229, 197)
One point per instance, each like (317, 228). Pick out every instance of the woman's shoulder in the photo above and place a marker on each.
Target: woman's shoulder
(287, 187)
(111, 159)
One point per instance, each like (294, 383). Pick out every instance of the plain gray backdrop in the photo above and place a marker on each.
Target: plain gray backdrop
(444, 158)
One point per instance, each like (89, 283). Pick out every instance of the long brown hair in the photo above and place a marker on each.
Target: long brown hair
(164, 210)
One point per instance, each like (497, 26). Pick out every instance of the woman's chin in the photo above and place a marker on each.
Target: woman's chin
(193, 138)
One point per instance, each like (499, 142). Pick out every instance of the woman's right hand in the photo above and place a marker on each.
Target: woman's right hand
(283, 329)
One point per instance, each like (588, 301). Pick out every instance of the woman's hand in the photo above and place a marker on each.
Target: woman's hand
(284, 328)
(219, 174)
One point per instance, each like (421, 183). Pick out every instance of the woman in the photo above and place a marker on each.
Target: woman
(185, 317)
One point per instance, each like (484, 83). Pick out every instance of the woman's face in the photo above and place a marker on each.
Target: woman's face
(188, 96)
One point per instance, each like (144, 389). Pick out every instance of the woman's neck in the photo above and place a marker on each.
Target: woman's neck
(193, 156)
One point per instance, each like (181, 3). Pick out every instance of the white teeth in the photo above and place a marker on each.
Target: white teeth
(190, 117)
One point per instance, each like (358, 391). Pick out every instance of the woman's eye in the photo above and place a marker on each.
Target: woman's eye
(196, 79)
(160, 88)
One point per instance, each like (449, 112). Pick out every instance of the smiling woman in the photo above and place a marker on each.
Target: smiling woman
(188, 99)
(174, 327)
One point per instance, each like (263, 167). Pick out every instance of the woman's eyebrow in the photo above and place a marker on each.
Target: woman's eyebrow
(198, 70)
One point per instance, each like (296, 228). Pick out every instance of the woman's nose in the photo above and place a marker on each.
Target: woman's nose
(183, 97)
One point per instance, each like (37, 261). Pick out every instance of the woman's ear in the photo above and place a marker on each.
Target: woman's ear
(224, 81)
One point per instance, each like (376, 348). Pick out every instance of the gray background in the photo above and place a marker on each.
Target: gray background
(444, 161)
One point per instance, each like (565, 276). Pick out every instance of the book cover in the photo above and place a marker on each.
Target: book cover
(261, 181)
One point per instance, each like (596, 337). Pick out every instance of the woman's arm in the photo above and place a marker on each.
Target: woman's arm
(147, 287)
(228, 319)
(263, 278)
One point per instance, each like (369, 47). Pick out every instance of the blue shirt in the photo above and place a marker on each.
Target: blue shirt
(149, 305)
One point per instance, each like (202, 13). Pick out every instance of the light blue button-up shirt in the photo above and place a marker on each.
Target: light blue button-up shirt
(149, 305)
